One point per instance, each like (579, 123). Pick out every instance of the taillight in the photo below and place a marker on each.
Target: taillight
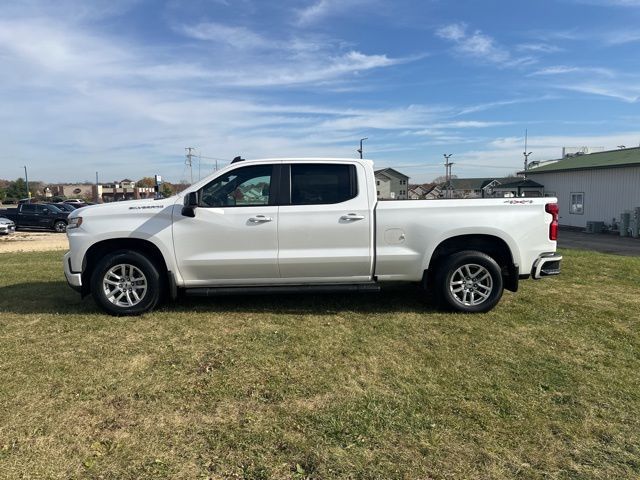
(553, 209)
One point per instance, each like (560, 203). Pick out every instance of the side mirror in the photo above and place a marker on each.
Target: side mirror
(190, 204)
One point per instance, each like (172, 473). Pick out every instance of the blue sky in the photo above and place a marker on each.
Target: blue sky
(122, 86)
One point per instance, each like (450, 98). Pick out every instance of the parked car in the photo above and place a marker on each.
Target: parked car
(66, 207)
(37, 216)
(75, 201)
(7, 226)
(306, 226)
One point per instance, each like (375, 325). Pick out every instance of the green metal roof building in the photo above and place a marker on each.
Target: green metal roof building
(592, 187)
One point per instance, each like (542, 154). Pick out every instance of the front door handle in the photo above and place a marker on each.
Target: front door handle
(260, 219)
(352, 217)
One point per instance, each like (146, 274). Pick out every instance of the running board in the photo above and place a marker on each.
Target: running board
(266, 289)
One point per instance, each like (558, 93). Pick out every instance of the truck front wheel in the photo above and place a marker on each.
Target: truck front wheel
(125, 283)
(470, 282)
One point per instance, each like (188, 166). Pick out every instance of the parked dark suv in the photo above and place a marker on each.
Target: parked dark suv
(37, 216)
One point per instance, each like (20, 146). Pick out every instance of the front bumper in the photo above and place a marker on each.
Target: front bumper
(546, 265)
(6, 229)
(74, 279)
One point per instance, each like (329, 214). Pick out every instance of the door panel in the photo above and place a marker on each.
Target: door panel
(328, 238)
(233, 237)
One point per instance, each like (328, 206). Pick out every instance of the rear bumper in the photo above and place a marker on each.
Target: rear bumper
(546, 265)
(74, 279)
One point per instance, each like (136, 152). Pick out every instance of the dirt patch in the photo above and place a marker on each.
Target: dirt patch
(33, 242)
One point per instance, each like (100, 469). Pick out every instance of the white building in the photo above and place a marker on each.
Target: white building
(391, 184)
(592, 187)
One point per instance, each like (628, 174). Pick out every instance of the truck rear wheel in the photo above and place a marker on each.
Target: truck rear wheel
(126, 283)
(470, 282)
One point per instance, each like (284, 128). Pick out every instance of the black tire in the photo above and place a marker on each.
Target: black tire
(60, 226)
(458, 285)
(140, 268)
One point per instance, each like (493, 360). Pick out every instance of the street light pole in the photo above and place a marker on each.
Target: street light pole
(26, 179)
(360, 149)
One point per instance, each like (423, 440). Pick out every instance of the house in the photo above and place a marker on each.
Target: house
(426, 191)
(472, 187)
(592, 187)
(391, 184)
(519, 188)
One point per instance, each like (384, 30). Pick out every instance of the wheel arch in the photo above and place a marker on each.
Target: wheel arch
(99, 249)
(492, 245)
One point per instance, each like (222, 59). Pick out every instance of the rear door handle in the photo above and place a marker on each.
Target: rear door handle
(352, 217)
(260, 219)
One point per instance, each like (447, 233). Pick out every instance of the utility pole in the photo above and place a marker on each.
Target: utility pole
(188, 160)
(97, 199)
(26, 179)
(360, 149)
(447, 174)
(526, 155)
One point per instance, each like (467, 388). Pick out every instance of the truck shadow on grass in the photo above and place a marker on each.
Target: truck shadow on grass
(58, 298)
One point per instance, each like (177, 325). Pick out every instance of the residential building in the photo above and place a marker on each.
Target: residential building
(519, 188)
(592, 187)
(426, 191)
(391, 184)
(471, 187)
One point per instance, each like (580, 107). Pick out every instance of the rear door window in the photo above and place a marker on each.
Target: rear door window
(314, 184)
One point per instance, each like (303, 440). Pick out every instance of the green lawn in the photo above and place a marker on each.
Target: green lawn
(338, 386)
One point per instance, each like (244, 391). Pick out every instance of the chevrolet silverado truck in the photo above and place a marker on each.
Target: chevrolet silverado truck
(306, 225)
(37, 217)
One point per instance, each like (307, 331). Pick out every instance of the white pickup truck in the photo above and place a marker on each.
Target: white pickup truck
(290, 225)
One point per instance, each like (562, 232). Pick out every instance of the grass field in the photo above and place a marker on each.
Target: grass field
(342, 386)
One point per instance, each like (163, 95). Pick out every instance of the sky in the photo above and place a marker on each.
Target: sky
(121, 87)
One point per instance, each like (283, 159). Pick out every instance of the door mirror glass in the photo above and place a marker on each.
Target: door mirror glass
(190, 204)
(191, 199)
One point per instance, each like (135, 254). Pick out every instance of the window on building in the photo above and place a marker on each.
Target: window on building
(377, 182)
(577, 203)
(378, 193)
(313, 184)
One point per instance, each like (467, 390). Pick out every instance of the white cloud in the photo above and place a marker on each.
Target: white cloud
(238, 37)
(480, 46)
(321, 9)
(566, 69)
(621, 37)
(628, 92)
(538, 48)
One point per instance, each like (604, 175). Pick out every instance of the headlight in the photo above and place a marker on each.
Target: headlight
(74, 222)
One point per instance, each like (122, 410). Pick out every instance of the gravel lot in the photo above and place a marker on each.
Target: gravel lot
(33, 242)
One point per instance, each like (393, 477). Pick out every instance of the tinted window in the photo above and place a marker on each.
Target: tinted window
(242, 187)
(316, 184)
(28, 208)
(54, 209)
